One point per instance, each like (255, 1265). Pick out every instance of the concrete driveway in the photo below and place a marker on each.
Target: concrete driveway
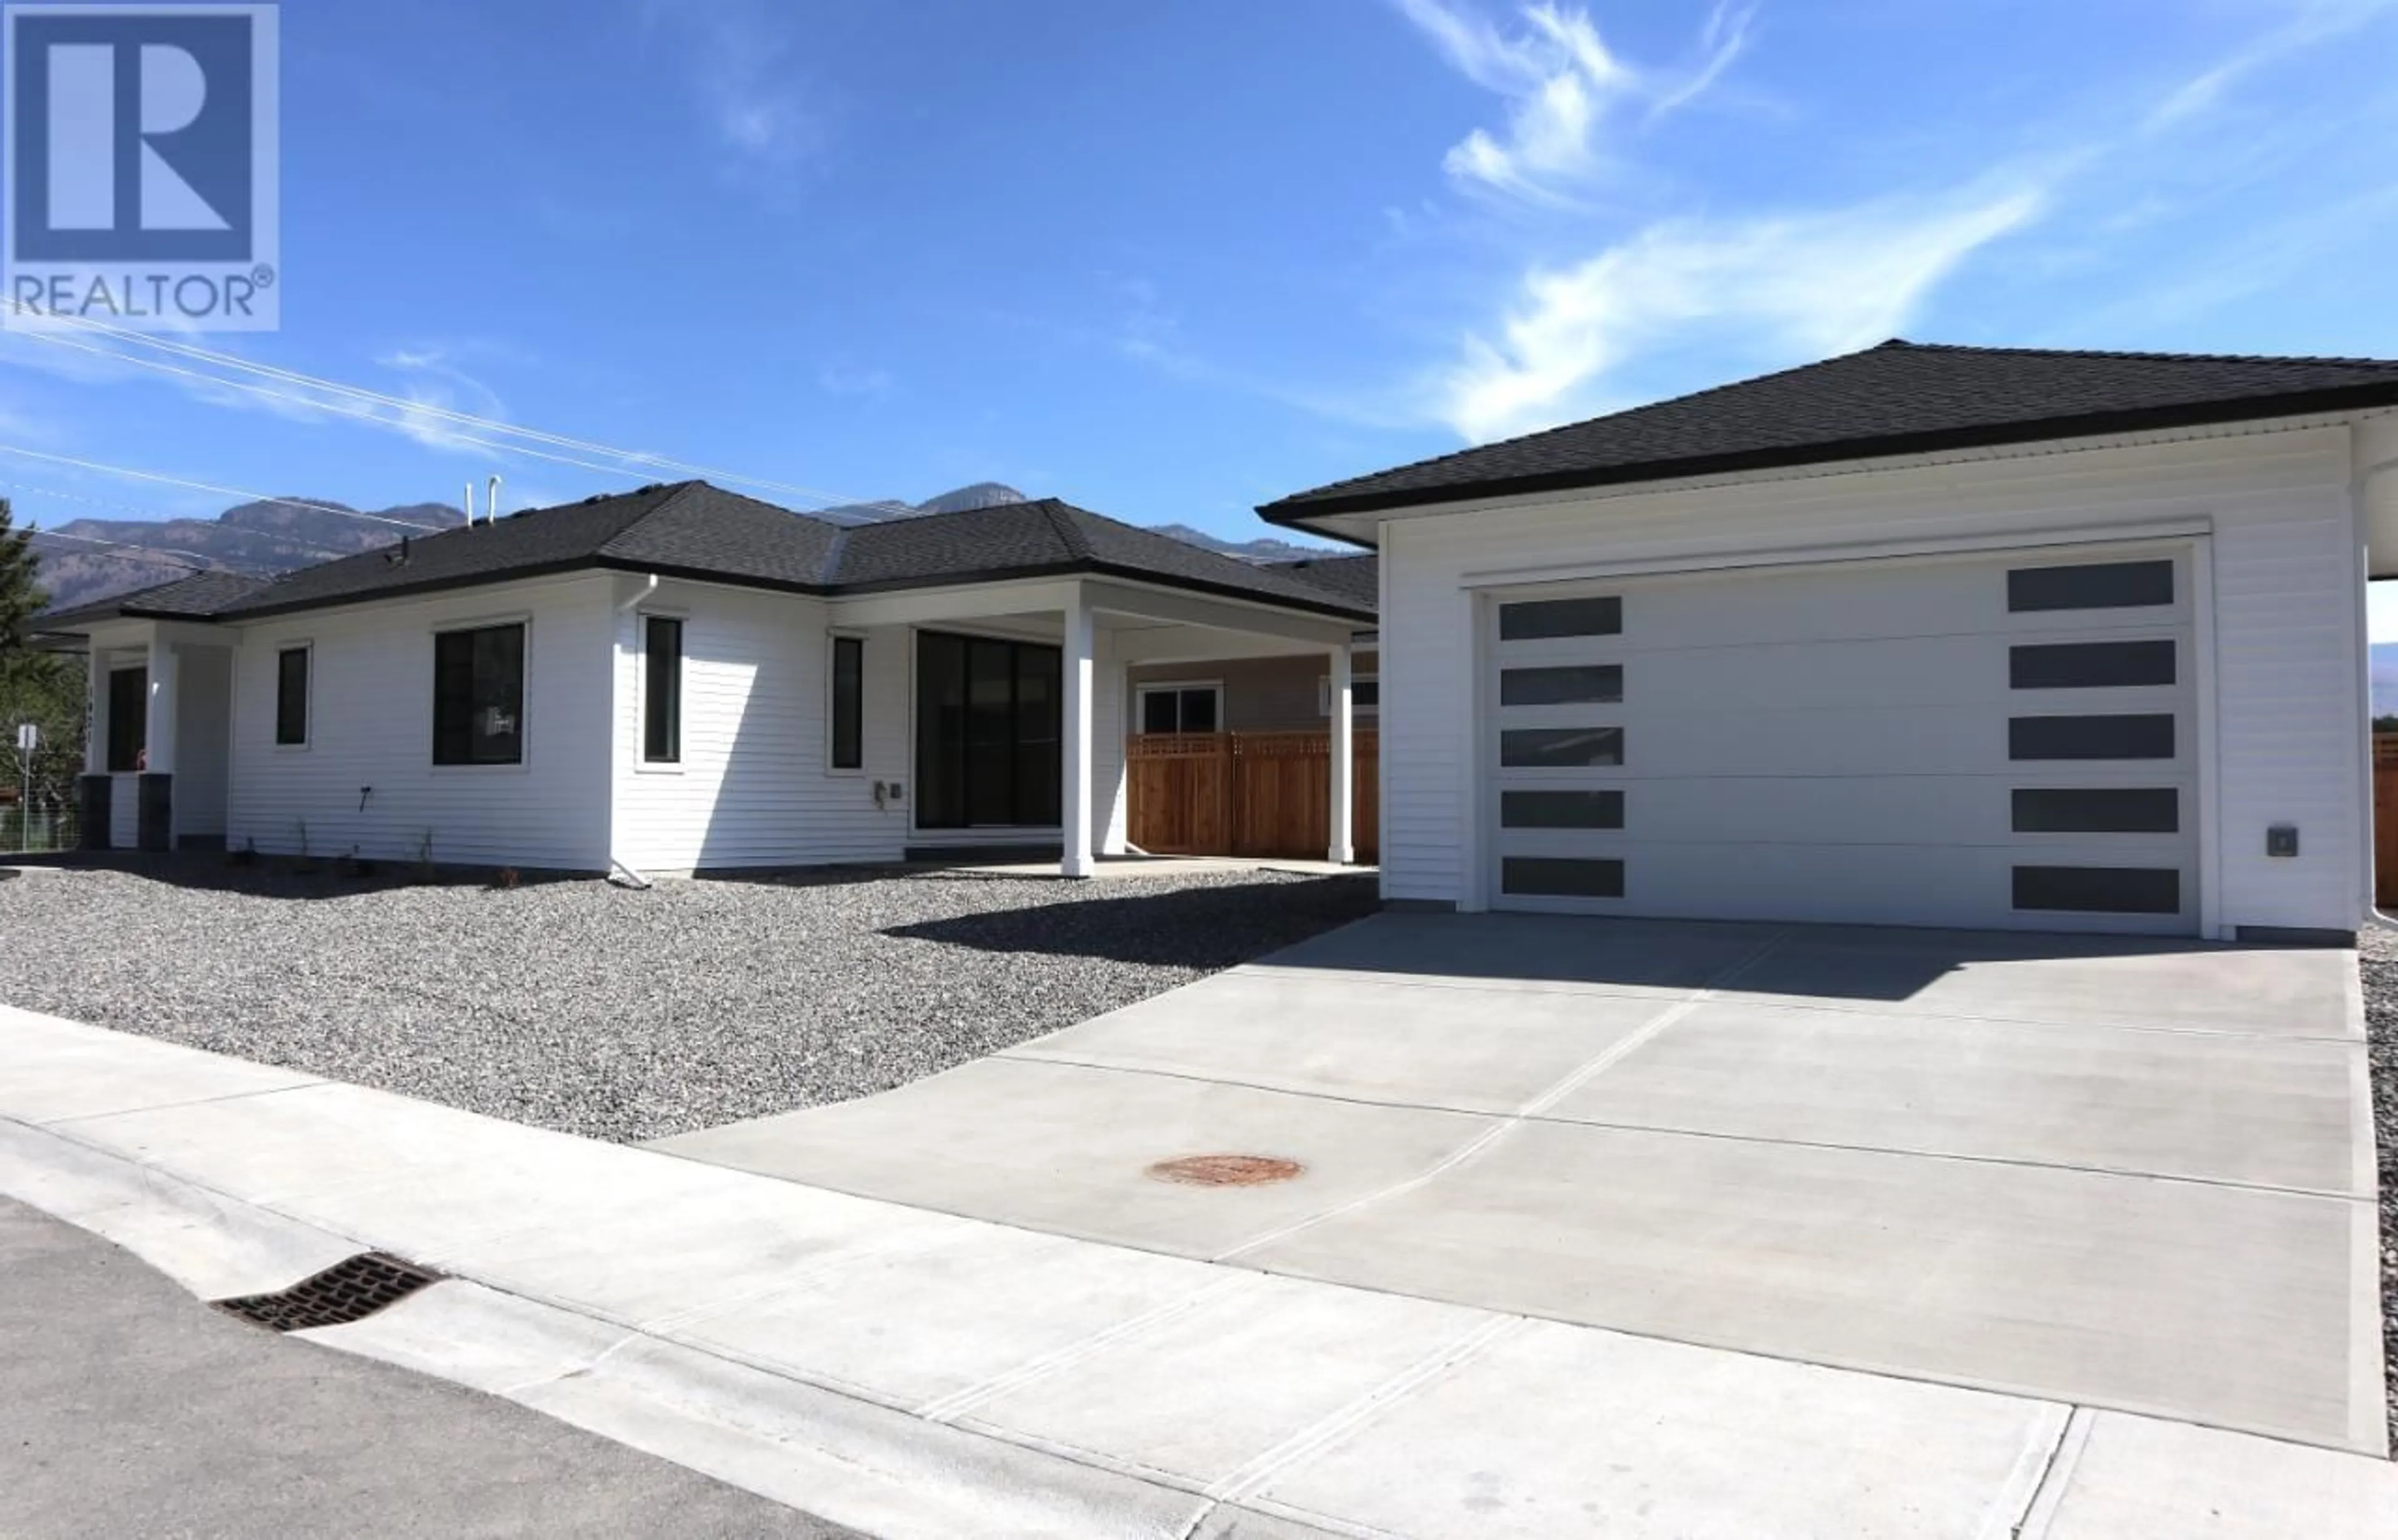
(2125, 1174)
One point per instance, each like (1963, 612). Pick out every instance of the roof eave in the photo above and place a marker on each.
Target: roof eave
(408, 590)
(79, 621)
(1329, 606)
(1294, 512)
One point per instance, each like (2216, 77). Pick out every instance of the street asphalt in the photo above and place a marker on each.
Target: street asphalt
(129, 1408)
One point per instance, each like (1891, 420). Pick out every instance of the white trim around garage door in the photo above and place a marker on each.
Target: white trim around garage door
(1482, 592)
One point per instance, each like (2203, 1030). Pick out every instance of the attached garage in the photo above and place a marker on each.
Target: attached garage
(1920, 635)
(1960, 742)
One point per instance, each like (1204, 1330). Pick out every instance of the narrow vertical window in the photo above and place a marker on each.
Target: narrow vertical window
(292, 697)
(848, 702)
(662, 690)
(129, 718)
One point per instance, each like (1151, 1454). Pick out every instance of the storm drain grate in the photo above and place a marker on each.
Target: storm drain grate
(349, 1291)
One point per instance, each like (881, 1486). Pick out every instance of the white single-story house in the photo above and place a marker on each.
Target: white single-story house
(1923, 635)
(680, 678)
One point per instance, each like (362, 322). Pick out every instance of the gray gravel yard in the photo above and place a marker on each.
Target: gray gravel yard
(625, 1015)
(2377, 955)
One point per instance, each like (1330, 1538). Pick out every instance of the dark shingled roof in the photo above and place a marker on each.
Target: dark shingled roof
(1900, 397)
(1357, 578)
(199, 597)
(1044, 537)
(689, 529)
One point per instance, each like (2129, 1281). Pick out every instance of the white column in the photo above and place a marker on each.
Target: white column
(160, 740)
(1074, 801)
(1344, 762)
(95, 737)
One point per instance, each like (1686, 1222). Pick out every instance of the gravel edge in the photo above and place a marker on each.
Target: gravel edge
(574, 1005)
(2377, 966)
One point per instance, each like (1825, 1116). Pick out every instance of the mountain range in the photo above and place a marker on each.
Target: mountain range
(90, 558)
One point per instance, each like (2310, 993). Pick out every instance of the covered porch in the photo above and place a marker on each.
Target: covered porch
(1021, 716)
(157, 756)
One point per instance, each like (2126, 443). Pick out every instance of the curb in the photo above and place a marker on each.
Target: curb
(852, 1462)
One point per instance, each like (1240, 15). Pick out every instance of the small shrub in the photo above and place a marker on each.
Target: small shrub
(424, 873)
(247, 856)
(505, 879)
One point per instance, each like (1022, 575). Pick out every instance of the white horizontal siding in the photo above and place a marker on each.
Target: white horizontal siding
(2285, 570)
(372, 725)
(754, 787)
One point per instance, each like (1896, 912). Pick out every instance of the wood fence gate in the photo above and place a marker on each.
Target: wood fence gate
(1248, 794)
(2385, 819)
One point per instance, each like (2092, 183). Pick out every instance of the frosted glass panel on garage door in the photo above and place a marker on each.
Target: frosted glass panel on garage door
(1967, 742)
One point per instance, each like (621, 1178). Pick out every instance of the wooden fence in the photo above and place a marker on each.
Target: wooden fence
(1248, 794)
(2385, 819)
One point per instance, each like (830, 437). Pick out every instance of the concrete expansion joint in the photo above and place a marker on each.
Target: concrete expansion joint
(2056, 1474)
(1539, 1103)
(1246, 1479)
(58, 1122)
(949, 1408)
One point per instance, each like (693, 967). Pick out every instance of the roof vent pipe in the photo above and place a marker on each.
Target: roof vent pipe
(470, 504)
(492, 502)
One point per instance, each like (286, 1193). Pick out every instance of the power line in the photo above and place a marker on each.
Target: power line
(164, 556)
(108, 469)
(235, 361)
(361, 414)
(157, 515)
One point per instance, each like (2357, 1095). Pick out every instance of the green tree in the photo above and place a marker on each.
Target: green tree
(38, 687)
(20, 585)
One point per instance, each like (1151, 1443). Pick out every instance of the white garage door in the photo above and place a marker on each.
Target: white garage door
(1938, 743)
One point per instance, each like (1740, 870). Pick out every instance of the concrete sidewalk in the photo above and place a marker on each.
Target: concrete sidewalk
(907, 1373)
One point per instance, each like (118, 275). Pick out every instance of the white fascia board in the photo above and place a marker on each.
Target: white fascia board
(1360, 527)
(968, 601)
(1223, 614)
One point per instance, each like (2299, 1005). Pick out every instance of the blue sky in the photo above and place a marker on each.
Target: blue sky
(1170, 261)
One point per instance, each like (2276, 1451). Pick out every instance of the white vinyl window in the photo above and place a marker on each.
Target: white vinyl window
(1365, 696)
(1180, 707)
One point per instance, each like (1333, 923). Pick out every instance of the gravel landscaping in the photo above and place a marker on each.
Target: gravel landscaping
(625, 1015)
(2377, 956)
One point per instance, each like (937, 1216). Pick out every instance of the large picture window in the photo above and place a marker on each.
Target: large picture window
(988, 725)
(661, 690)
(478, 695)
(129, 718)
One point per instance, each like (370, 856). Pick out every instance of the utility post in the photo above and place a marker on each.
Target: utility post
(29, 738)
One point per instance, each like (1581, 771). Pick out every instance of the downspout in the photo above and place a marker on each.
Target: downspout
(2361, 536)
(620, 872)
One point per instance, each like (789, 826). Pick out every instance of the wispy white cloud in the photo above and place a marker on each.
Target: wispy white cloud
(432, 381)
(1722, 40)
(842, 378)
(2309, 23)
(1800, 286)
(1563, 85)
(742, 74)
